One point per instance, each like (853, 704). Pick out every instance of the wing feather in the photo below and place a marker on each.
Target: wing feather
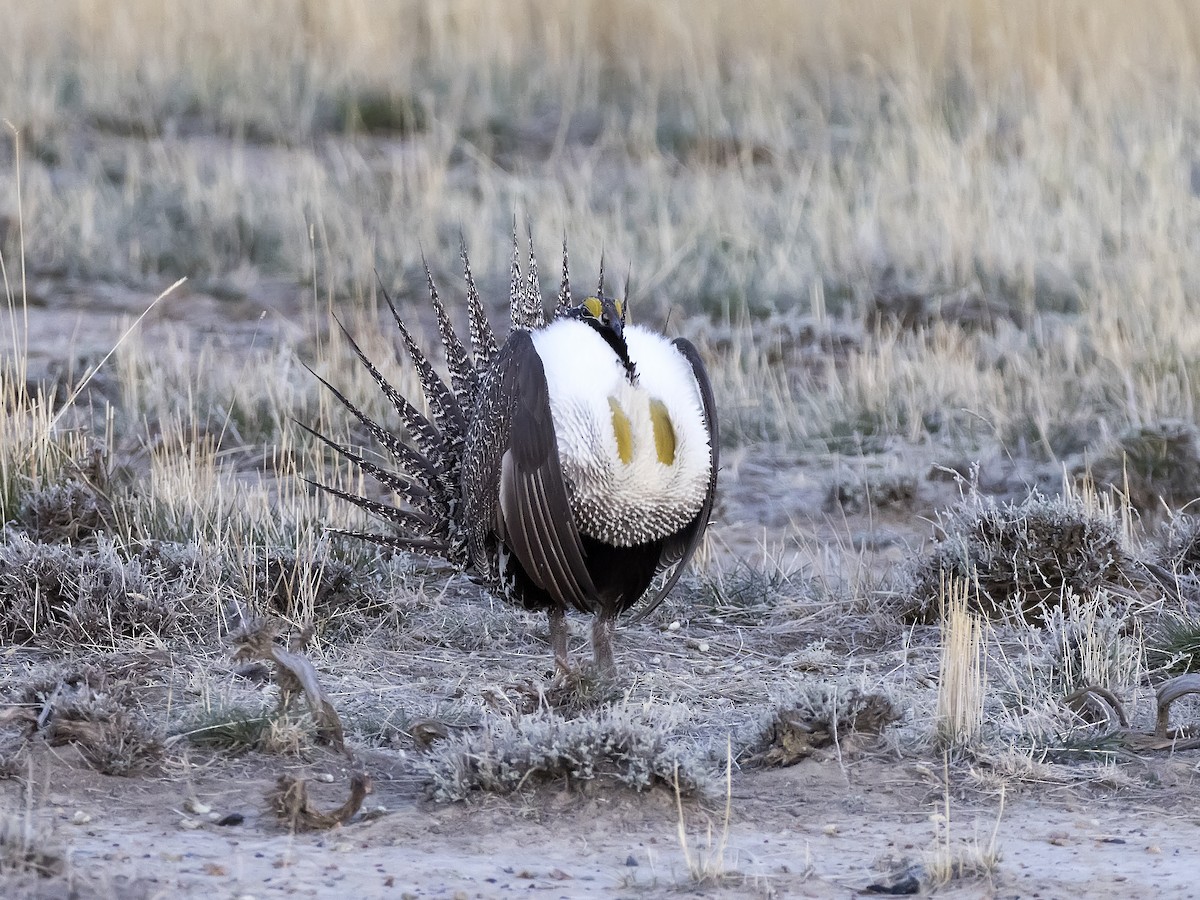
(534, 516)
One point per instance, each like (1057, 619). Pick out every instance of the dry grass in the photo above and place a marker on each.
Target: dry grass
(962, 677)
(706, 858)
(984, 151)
(953, 857)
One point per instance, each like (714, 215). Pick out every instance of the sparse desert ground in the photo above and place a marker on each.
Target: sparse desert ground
(943, 633)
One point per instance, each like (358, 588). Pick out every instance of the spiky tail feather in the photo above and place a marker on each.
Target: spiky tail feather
(428, 477)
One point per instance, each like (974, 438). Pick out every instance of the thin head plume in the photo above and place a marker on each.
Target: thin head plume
(625, 295)
(564, 287)
(600, 283)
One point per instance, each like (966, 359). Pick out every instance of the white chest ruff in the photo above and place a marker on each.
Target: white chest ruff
(635, 457)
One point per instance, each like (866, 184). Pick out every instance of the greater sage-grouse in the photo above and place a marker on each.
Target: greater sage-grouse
(569, 466)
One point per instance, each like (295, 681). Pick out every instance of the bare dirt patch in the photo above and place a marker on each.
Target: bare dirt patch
(826, 828)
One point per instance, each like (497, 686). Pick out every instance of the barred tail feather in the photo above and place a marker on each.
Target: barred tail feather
(427, 438)
(483, 338)
(407, 545)
(564, 287)
(423, 492)
(463, 377)
(535, 311)
(516, 287)
(403, 518)
(446, 411)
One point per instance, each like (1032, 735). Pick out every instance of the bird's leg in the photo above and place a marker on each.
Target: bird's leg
(558, 640)
(602, 632)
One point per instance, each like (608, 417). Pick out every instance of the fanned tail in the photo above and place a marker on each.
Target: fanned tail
(426, 479)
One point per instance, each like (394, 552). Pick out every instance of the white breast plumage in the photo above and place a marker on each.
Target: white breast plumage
(635, 456)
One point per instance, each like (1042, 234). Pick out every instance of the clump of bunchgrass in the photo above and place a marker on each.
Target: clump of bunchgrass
(231, 729)
(1153, 466)
(236, 729)
(67, 596)
(113, 739)
(304, 585)
(1052, 689)
(92, 707)
(1173, 645)
(35, 452)
(743, 591)
(1097, 644)
(1178, 548)
(1023, 558)
(962, 675)
(951, 858)
(622, 744)
(821, 713)
(71, 512)
(857, 492)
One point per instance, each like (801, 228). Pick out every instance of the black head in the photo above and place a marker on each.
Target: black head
(602, 313)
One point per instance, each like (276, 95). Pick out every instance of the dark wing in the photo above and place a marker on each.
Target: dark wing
(534, 516)
(679, 548)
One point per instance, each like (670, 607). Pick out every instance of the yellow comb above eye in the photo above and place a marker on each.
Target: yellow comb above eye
(623, 429)
(620, 308)
(664, 432)
(592, 305)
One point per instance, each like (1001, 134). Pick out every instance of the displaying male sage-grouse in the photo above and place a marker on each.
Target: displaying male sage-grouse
(569, 466)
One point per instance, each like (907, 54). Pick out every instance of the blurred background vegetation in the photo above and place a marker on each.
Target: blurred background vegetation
(965, 224)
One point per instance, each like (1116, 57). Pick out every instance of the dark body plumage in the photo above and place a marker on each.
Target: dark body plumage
(485, 482)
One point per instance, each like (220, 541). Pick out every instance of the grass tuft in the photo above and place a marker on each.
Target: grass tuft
(1154, 466)
(1022, 559)
(962, 675)
(618, 744)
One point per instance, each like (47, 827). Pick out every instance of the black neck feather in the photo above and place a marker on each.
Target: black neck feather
(617, 342)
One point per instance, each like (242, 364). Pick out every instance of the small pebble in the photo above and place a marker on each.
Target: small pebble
(80, 818)
(190, 824)
(192, 805)
(631, 860)
(674, 626)
(324, 778)
(231, 819)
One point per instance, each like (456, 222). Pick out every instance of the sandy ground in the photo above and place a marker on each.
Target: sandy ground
(827, 828)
